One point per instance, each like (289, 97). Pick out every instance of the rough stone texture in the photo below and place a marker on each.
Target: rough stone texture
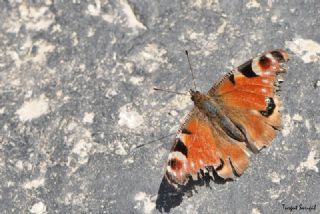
(76, 99)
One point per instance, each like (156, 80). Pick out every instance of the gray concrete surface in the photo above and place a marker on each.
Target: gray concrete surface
(76, 99)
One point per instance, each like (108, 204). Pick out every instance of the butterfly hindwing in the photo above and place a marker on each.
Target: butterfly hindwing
(201, 144)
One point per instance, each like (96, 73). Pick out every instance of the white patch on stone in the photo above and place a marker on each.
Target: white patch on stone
(291, 167)
(317, 126)
(38, 208)
(71, 126)
(44, 48)
(108, 18)
(173, 113)
(25, 55)
(132, 21)
(308, 125)
(110, 93)
(206, 4)
(144, 202)
(56, 28)
(33, 109)
(136, 80)
(2, 110)
(129, 117)
(275, 193)
(82, 144)
(19, 165)
(308, 50)
(193, 35)
(75, 40)
(253, 4)
(17, 61)
(128, 161)
(287, 125)
(33, 184)
(82, 149)
(36, 18)
(274, 19)
(28, 94)
(10, 184)
(120, 149)
(150, 57)
(181, 102)
(59, 94)
(91, 32)
(255, 211)
(297, 117)
(88, 117)
(222, 27)
(275, 177)
(94, 10)
(311, 162)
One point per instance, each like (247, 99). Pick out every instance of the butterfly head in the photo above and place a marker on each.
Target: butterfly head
(197, 97)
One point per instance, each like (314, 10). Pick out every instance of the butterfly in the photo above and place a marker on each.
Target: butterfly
(237, 115)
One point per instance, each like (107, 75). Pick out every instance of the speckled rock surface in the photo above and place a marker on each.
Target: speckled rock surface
(76, 99)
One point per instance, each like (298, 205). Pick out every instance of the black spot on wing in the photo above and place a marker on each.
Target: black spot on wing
(185, 131)
(231, 78)
(246, 69)
(278, 56)
(270, 107)
(264, 61)
(173, 163)
(180, 147)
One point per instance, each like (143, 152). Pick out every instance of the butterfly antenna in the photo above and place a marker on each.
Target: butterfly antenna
(170, 91)
(150, 142)
(190, 67)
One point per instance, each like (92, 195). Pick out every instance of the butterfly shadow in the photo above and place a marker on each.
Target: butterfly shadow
(170, 196)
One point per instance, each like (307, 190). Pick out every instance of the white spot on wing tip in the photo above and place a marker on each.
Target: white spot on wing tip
(192, 165)
(266, 73)
(201, 162)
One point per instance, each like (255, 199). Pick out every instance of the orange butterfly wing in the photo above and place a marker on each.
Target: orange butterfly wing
(249, 100)
(202, 144)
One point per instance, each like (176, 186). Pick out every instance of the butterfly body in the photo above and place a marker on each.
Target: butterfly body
(210, 107)
(238, 114)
